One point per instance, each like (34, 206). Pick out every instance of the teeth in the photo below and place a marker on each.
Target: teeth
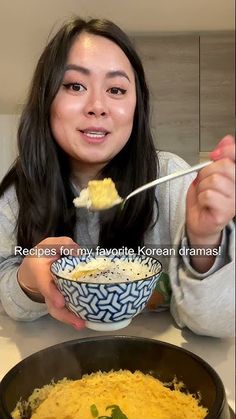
(95, 134)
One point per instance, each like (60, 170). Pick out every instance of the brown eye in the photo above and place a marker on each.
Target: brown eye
(116, 91)
(75, 87)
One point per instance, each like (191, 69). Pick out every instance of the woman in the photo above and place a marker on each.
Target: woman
(87, 117)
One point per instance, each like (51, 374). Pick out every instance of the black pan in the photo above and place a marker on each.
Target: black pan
(74, 358)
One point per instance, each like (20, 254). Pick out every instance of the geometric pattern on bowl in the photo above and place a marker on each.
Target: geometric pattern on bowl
(106, 302)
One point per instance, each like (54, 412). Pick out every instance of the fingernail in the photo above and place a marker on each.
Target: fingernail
(215, 154)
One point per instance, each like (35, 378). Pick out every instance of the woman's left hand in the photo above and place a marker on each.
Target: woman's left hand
(210, 201)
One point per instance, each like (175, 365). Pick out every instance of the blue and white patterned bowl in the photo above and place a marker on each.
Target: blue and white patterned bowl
(106, 306)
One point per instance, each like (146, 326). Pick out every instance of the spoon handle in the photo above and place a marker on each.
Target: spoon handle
(169, 177)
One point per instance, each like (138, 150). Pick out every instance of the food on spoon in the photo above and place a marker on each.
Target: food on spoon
(99, 195)
(116, 394)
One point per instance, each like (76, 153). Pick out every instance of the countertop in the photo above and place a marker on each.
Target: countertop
(20, 339)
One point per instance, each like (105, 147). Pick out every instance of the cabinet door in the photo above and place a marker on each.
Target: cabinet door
(216, 89)
(171, 64)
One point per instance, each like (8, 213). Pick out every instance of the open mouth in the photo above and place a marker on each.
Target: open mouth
(94, 134)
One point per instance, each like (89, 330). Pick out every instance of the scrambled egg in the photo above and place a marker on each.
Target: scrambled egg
(138, 395)
(99, 195)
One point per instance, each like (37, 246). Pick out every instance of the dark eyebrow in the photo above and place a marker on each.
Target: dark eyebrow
(86, 71)
(77, 68)
(118, 73)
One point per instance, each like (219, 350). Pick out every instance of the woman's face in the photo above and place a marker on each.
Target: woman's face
(92, 113)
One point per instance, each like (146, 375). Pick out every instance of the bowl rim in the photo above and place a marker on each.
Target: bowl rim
(160, 270)
(220, 390)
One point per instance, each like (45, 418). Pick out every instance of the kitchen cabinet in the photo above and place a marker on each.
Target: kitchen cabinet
(190, 77)
(217, 78)
(171, 65)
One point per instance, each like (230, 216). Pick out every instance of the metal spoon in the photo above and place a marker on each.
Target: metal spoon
(122, 201)
(163, 179)
(167, 178)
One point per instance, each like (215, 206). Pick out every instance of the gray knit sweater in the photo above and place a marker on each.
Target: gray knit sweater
(202, 302)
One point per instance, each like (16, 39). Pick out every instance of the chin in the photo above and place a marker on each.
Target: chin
(93, 161)
(95, 158)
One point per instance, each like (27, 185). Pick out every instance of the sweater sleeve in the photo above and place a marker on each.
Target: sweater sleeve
(202, 302)
(13, 299)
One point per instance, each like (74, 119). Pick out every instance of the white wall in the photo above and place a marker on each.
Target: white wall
(8, 149)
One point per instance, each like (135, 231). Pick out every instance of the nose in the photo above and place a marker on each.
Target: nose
(96, 105)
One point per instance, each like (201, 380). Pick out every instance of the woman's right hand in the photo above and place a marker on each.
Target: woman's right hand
(34, 272)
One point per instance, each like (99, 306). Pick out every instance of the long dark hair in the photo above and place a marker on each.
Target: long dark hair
(41, 172)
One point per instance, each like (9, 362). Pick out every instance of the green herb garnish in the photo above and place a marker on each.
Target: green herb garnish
(94, 410)
(116, 412)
